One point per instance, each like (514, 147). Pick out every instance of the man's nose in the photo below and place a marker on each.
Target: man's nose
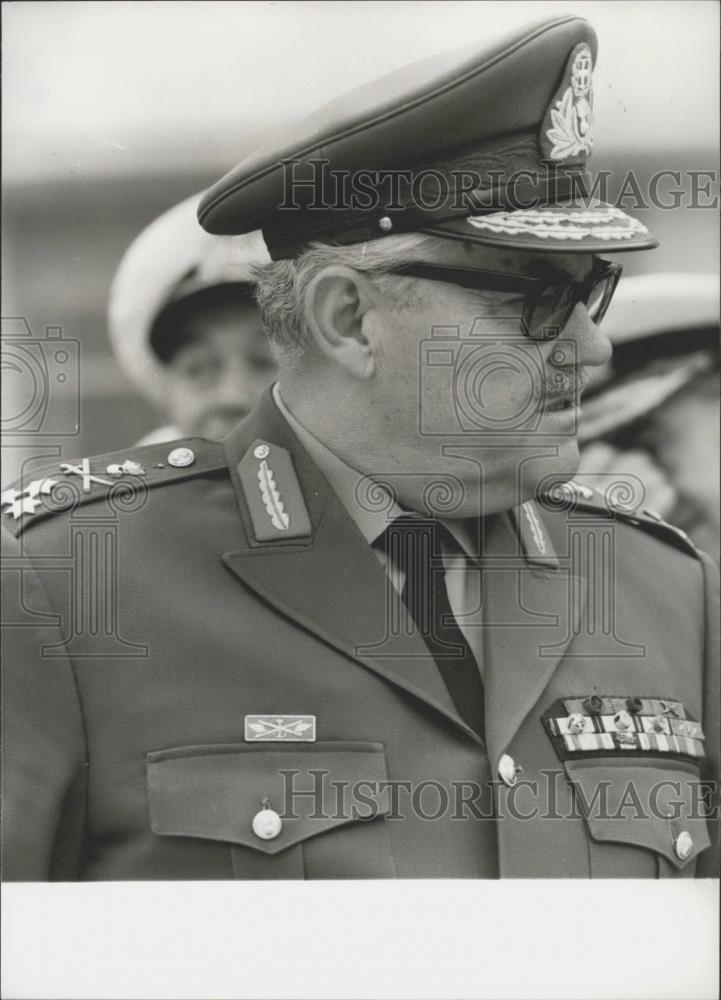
(592, 345)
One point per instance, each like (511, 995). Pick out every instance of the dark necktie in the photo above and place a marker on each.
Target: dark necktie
(413, 543)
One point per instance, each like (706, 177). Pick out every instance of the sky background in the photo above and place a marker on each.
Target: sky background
(98, 88)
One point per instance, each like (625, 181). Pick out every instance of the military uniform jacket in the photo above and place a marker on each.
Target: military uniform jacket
(175, 664)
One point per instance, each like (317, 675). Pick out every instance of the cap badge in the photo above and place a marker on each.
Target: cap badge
(571, 116)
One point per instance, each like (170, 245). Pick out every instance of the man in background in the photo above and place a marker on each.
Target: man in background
(184, 326)
(654, 411)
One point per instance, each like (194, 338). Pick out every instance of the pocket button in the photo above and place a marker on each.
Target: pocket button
(683, 845)
(267, 824)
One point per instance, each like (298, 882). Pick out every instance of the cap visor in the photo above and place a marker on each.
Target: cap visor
(558, 228)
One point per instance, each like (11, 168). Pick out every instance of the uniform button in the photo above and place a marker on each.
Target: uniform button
(267, 824)
(683, 845)
(179, 458)
(508, 770)
(262, 451)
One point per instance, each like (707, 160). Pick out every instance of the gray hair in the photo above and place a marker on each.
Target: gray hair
(281, 286)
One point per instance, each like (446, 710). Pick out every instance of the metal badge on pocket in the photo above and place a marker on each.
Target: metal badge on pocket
(280, 728)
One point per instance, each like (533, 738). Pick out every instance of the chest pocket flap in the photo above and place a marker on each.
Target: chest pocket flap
(214, 792)
(659, 807)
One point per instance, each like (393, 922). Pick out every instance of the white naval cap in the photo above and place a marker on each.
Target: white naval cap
(171, 258)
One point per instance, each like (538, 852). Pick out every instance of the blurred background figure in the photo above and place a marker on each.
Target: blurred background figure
(184, 326)
(653, 412)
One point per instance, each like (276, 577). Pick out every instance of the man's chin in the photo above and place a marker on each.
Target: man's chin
(564, 421)
(538, 474)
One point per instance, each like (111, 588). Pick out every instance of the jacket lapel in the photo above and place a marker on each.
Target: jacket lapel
(532, 613)
(330, 583)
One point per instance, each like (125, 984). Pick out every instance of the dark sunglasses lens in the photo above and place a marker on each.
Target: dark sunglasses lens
(550, 313)
(599, 298)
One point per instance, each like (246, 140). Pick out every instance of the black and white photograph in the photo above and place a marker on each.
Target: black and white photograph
(360, 499)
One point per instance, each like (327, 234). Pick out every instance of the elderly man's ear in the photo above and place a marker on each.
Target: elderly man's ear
(337, 304)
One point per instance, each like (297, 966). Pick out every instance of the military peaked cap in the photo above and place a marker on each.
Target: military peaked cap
(487, 143)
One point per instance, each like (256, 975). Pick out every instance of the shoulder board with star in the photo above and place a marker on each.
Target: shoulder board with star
(65, 485)
(572, 495)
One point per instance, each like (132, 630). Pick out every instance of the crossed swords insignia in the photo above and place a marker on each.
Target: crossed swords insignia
(276, 728)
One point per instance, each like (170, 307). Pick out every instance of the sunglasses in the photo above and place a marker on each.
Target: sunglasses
(548, 299)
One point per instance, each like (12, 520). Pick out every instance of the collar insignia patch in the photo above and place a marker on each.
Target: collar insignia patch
(271, 498)
(532, 535)
(273, 494)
